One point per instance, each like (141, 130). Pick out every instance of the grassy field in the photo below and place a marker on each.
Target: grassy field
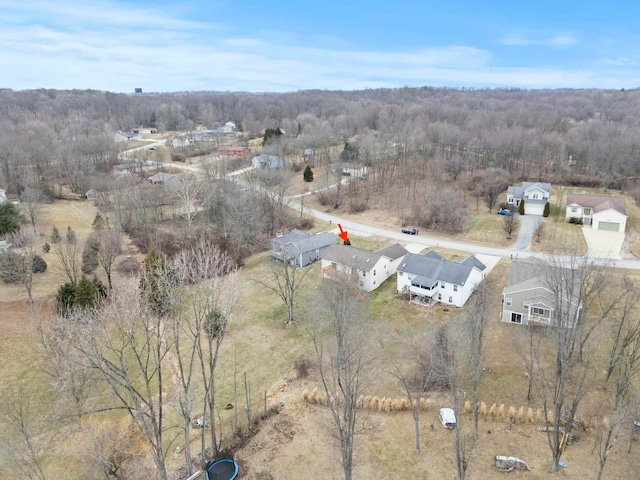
(296, 443)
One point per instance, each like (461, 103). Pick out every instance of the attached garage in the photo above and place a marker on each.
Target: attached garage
(533, 209)
(609, 226)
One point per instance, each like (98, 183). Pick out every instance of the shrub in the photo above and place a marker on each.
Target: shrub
(521, 207)
(547, 210)
(129, 265)
(39, 265)
(64, 299)
(215, 323)
(55, 235)
(302, 364)
(308, 174)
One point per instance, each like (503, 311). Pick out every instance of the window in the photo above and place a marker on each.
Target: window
(538, 311)
(333, 265)
(525, 305)
(516, 318)
(442, 285)
(574, 209)
(535, 196)
(507, 302)
(587, 211)
(374, 273)
(400, 274)
(450, 299)
(364, 274)
(439, 296)
(455, 288)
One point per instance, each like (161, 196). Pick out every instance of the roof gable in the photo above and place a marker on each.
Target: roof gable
(393, 252)
(359, 258)
(597, 203)
(434, 267)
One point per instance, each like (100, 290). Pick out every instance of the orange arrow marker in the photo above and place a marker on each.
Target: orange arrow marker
(343, 234)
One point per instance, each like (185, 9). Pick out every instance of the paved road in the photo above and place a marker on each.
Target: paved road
(528, 224)
(360, 228)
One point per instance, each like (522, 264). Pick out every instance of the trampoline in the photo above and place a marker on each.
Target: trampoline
(225, 469)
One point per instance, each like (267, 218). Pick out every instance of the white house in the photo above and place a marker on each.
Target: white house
(367, 269)
(430, 278)
(602, 213)
(268, 161)
(534, 194)
(121, 136)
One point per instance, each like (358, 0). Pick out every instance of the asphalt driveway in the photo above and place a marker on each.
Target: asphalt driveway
(602, 244)
(528, 224)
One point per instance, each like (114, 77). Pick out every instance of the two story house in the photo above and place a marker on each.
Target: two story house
(366, 268)
(602, 213)
(534, 194)
(529, 297)
(301, 248)
(430, 278)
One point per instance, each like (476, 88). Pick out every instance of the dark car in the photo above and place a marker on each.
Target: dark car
(410, 231)
(504, 211)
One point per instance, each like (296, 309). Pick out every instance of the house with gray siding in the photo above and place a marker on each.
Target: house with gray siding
(301, 248)
(529, 296)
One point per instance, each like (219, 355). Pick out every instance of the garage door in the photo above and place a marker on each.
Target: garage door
(609, 226)
(533, 209)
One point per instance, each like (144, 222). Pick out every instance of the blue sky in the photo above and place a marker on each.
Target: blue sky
(288, 45)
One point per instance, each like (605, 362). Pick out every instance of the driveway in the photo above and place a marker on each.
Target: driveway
(602, 244)
(528, 224)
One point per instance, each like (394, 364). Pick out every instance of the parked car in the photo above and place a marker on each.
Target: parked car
(410, 231)
(504, 211)
(447, 417)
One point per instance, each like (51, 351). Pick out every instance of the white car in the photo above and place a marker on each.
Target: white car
(447, 417)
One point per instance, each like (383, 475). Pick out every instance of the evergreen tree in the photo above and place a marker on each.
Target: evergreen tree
(90, 256)
(55, 235)
(547, 210)
(271, 134)
(64, 299)
(10, 218)
(98, 222)
(521, 207)
(86, 294)
(351, 153)
(71, 235)
(308, 174)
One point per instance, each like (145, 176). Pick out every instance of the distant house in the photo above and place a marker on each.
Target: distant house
(145, 130)
(430, 278)
(4, 246)
(349, 170)
(181, 141)
(230, 151)
(169, 180)
(309, 152)
(91, 194)
(602, 213)
(368, 270)
(121, 136)
(268, 161)
(529, 297)
(301, 248)
(3, 195)
(534, 194)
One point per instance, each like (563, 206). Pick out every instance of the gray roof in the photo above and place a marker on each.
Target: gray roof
(292, 236)
(393, 251)
(518, 190)
(524, 275)
(363, 260)
(312, 242)
(433, 268)
(474, 262)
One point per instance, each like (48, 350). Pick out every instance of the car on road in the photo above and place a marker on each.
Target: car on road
(504, 211)
(410, 231)
(152, 148)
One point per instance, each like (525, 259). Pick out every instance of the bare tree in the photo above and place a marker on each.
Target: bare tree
(69, 253)
(510, 223)
(475, 322)
(578, 309)
(126, 345)
(31, 200)
(450, 358)
(109, 249)
(414, 371)
(286, 278)
(338, 332)
(19, 265)
(188, 194)
(208, 296)
(539, 230)
(25, 444)
(526, 342)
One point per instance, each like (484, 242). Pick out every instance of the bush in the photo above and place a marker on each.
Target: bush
(302, 364)
(308, 174)
(39, 265)
(64, 299)
(129, 266)
(11, 267)
(547, 210)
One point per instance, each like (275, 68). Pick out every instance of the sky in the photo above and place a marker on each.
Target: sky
(291, 45)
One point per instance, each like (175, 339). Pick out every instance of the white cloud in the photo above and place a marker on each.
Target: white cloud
(521, 40)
